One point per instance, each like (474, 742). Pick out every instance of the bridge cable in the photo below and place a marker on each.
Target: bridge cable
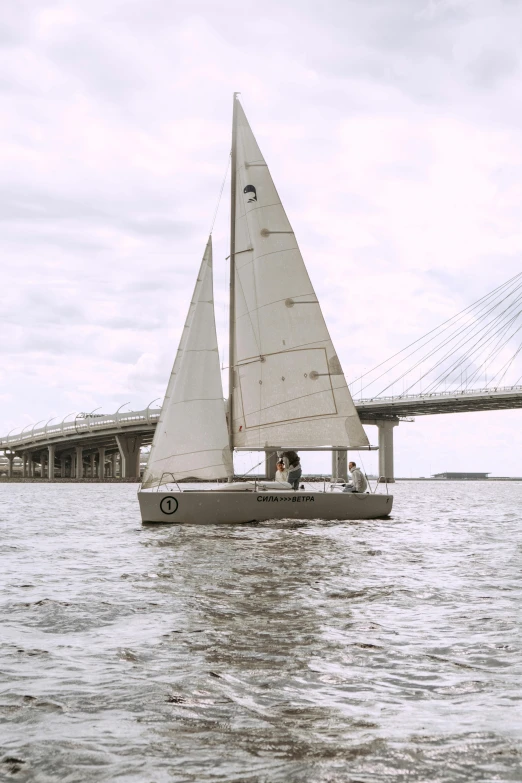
(463, 361)
(451, 323)
(471, 327)
(479, 328)
(454, 318)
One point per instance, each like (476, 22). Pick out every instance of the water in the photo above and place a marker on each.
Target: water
(319, 652)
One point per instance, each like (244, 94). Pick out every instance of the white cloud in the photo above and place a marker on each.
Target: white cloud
(392, 129)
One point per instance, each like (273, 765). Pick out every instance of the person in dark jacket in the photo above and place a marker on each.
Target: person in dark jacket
(294, 468)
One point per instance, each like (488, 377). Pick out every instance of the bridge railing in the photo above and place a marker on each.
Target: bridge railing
(436, 395)
(89, 425)
(78, 426)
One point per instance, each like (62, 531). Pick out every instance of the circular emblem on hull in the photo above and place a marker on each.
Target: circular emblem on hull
(169, 505)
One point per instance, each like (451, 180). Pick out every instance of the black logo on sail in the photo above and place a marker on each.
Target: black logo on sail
(251, 189)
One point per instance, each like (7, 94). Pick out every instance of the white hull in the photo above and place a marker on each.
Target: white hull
(214, 506)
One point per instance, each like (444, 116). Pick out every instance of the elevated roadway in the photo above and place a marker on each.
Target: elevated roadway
(88, 445)
(466, 401)
(100, 445)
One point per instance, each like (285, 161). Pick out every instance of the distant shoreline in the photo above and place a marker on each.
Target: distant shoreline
(305, 479)
(460, 481)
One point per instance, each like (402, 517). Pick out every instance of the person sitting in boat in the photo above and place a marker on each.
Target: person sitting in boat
(358, 482)
(294, 468)
(281, 473)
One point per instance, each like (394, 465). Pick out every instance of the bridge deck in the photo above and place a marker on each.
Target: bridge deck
(100, 431)
(442, 402)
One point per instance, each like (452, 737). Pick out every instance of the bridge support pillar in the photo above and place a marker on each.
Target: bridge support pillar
(63, 459)
(10, 457)
(340, 465)
(42, 464)
(50, 466)
(129, 448)
(114, 462)
(101, 463)
(93, 465)
(30, 466)
(386, 472)
(270, 464)
(79, 461)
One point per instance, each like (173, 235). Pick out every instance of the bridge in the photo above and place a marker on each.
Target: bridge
(466, 401)
(88, 446)
(459, 366)
(387, 412)
(109, 446)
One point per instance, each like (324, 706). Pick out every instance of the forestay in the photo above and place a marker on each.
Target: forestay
(289, 387)
(191, 438)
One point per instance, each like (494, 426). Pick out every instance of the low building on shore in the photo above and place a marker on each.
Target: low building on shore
(461, 476)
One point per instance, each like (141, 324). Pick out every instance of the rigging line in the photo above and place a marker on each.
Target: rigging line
(254, 315)
(295, 349)
(256, 466)
(306, 417)
(220, 192)
(256, 331)
(249, 314)
(447, 339)
(471, 327)
(460, 361)
(225, 302)
(461, 312)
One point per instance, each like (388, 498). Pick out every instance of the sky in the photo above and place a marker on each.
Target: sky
(392, 129)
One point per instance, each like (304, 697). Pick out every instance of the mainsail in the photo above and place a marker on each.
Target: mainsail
(289, 388)
(191, 438)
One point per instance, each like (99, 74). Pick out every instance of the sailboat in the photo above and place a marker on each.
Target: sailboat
(287, 389)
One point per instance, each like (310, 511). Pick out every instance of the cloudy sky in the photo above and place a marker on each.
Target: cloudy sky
(392, 129)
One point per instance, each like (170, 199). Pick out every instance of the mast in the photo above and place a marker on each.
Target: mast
(231, 356)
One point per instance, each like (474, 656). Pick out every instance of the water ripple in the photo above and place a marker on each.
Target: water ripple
(318, 652)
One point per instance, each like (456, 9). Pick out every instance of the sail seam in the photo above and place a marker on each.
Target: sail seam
(334, 413)
(273, 252)
(291, 350)
(277, 301)
(261, 161)
(198, 399)
(187, 454)
(252, 359)
(264, 206)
